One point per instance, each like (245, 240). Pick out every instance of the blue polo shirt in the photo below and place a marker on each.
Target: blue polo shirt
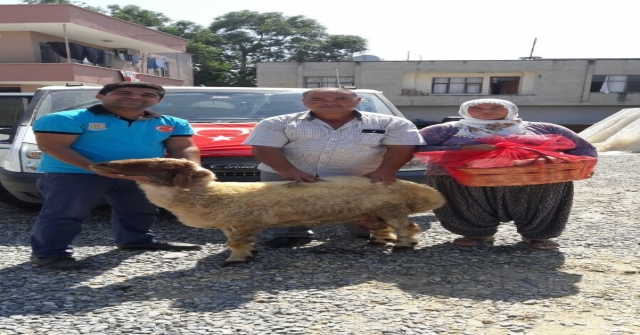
(104, 136)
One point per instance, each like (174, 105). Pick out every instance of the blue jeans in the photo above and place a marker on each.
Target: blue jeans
(302, 231)
(68, 201)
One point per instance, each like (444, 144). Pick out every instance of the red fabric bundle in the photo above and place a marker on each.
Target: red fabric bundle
(511, 151)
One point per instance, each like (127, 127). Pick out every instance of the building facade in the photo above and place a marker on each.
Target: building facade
(59, 44)
(571, 92)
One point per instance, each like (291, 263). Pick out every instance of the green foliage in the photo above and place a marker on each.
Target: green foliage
(209, 67)
(248, 37)
(137, 15)
(332, 48)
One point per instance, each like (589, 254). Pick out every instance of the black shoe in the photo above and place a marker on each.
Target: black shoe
(287, 242)
(59, 263)
(160, 245)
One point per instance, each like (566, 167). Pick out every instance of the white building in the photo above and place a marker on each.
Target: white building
(571, 92)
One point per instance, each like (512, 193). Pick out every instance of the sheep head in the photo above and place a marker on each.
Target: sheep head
(159, 171)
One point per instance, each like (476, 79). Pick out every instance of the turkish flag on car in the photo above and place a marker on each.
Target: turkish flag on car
(222, 139)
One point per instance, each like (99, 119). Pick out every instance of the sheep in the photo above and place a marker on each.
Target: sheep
(242, 210)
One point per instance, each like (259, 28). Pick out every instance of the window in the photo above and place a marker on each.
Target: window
(317, 82)
(615, 84)
(504, 85)
(12, 106)
(47, 55)
(471, 85)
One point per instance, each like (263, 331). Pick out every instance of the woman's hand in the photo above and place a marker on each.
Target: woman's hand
(478, 147)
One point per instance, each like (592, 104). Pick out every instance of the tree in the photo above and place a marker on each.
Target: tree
(332, 48)
(248, 37)
(208, 70)
(137, 15)
(209, 67)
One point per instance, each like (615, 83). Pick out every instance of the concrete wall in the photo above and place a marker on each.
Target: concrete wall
(554, 114)
(278, 75)
(17, 47)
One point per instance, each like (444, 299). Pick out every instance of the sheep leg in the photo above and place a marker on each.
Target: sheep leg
(407, 232)
(382, 236)
(241, 245)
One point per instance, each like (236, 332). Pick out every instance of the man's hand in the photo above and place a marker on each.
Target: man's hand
(386, 177)
(121, 176)
(299, 176)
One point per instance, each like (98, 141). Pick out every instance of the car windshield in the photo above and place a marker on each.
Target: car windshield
(209, 106)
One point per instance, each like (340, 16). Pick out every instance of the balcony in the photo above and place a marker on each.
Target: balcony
(82, 25)
(64, 73)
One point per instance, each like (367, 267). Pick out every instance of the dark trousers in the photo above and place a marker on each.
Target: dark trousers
(538, 211)
(68, 201)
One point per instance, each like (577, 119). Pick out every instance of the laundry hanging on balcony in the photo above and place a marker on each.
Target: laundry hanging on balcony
(129, 55)
(158, 65)
(79, 52)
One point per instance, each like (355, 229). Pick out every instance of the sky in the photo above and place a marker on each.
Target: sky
(445, 29)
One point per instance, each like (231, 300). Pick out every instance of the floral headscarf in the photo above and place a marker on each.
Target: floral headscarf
(472, 127)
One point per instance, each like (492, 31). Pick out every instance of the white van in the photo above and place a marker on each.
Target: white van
(12, 107)
(222, 118)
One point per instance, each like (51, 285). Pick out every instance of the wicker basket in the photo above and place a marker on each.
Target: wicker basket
(533, 174)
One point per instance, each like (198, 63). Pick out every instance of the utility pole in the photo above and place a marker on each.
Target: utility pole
(533, 47)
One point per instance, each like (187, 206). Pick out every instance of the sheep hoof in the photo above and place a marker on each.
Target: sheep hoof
(376, 243)
(253, 253)
(402, 248)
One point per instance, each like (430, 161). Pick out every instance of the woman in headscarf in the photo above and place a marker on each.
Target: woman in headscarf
(540, 212)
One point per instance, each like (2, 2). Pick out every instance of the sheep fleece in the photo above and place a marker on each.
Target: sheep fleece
(256, 206)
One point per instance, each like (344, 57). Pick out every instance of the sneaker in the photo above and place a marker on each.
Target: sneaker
(287, 242)
(59, 263)
(160, 245)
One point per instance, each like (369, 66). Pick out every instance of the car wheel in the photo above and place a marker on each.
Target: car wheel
(10, 200)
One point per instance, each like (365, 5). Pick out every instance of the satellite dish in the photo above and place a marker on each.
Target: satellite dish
(366, 58)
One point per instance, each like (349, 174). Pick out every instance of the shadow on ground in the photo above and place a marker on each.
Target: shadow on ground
(502, 273)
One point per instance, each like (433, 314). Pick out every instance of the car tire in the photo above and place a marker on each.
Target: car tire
(9, 199)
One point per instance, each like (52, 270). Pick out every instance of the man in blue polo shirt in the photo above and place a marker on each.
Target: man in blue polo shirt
(118, 128)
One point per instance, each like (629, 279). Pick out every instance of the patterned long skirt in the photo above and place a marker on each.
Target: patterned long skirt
(538, 211)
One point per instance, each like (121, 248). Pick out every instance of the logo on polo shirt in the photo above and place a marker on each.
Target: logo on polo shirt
(165, 129)
(97, 126)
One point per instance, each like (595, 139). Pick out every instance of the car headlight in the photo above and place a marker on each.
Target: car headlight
(30, 157)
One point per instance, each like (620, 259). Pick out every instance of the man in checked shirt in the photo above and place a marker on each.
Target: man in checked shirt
(332, 138)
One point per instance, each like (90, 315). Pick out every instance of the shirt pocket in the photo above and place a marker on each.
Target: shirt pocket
(371, 139)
